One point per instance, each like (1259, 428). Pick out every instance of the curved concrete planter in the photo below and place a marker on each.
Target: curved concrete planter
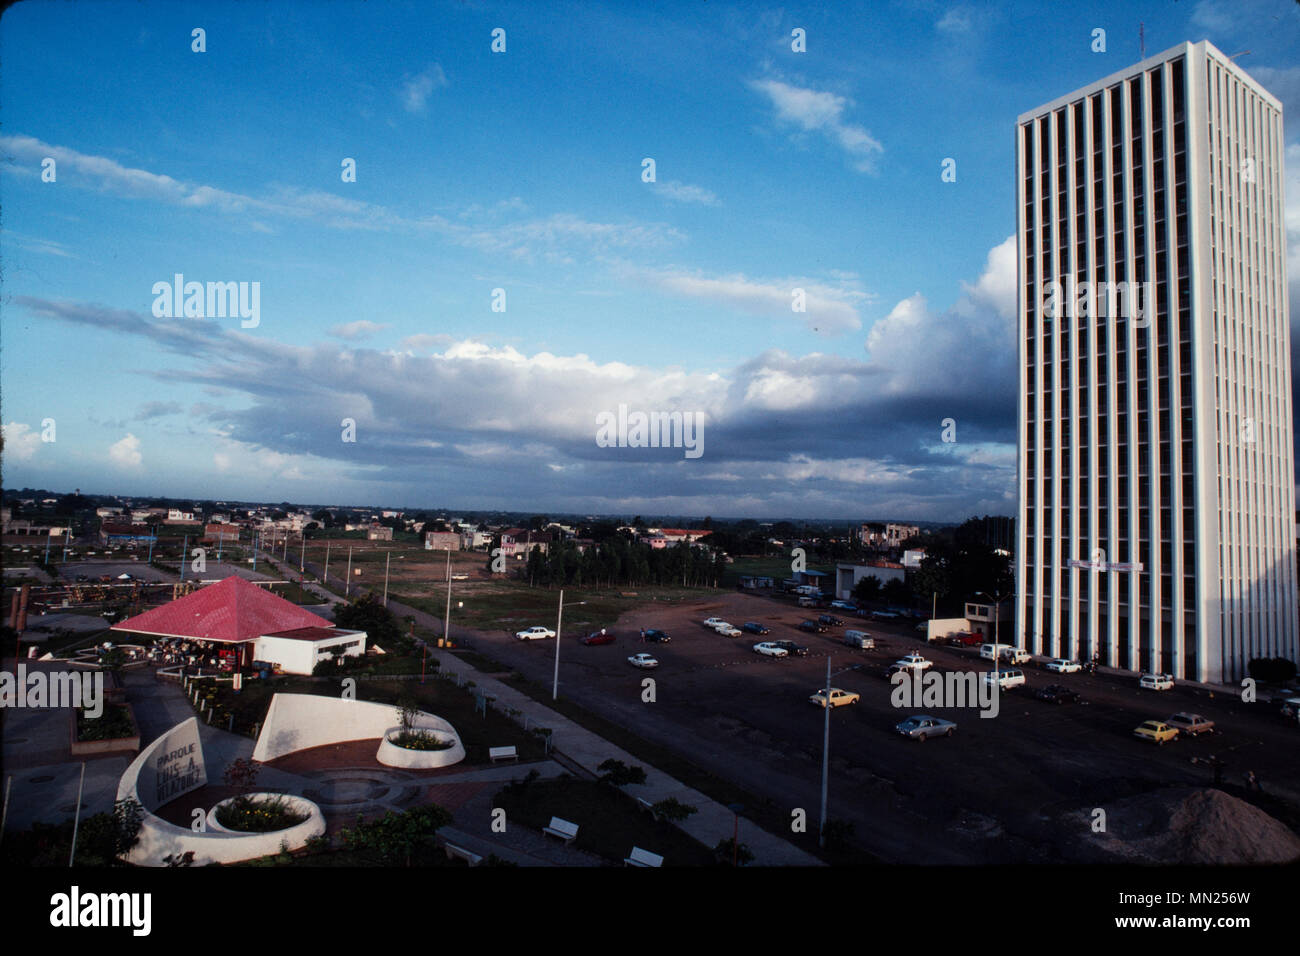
(269, 842)
(391, 755)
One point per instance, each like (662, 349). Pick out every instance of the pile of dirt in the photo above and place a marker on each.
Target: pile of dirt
(1188, 826)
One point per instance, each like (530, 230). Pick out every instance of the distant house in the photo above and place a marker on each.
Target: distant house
(378, 532)
(848, 574)
(215, 531)
(912, 559)
(518, 542)
(752, 581)
(125, 534)
(442, 541)
(475, 539)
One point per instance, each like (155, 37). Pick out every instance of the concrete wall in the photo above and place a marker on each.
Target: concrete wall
(300, 721)
(146, 780)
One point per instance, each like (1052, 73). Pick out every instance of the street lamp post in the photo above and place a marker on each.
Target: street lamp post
(826, 748)
(997, 600)
(559, 618)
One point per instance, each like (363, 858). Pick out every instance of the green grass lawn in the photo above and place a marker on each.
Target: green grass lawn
(609, 821)
(776, 567)
(512, 606)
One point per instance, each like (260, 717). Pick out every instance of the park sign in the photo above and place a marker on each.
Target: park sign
(175, 767)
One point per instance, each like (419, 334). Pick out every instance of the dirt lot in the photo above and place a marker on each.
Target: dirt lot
(1001, 790)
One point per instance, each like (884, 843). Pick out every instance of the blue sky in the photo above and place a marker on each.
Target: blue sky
(522, 171)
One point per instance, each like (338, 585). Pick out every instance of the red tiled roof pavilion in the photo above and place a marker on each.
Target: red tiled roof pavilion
(233, 611)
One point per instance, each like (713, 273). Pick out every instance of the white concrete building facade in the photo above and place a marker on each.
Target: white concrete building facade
(1156, 494)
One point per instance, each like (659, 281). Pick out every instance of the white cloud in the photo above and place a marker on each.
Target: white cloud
(417, 89)
(20, 442)
(126, 453)
(814, 111)
(360, 329)
(681, 192)
(425, 341)
(956, 20)
(829, 308)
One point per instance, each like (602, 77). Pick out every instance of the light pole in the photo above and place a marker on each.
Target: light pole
(347, 584)
(997, 656)
(387, 556)
(446, 621)
(559, 618)
(826, 747)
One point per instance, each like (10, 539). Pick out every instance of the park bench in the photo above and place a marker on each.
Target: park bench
(566, 831)
(454, 852)
(640, 857)
(647, 806)
(502, 753)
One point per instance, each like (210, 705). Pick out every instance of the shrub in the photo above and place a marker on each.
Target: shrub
(258, 816)
(672, 809)
(726, 851)
(618, 774)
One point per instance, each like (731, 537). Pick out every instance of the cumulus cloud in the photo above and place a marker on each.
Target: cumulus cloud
(126, 452)
(20, 442)
(821, 112)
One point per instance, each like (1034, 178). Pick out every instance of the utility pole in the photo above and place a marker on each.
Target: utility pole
(347, 585)
(559, 618)
(185, 550)
(446, 621)
(388, 555)
(326, 579)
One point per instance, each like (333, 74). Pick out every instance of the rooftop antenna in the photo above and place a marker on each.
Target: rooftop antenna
(1240, 53)
(1142, 40)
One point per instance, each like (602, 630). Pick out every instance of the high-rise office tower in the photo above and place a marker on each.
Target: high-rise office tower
(1157, 517)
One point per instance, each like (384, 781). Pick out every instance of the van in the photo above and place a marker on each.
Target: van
(859, 639)
(991, 652)
(807, 601)
(1011, 677)
(1016, 655)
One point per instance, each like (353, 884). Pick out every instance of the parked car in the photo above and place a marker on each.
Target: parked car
(1156, 682)
(844, 606)
(534, 633)
(812, 627)
(753, 627)
(1057, 694)
(1006, 679)
(807, 601)
(713, 621)
(1156, 731)
(721, 625)
(838, 697)
(992, 652)
(896, 668)
(965, 639)
(830, 620)
(923, 626)
(1193, 724)
(768, 649)
(923, 726)
(884, 616)
(643, 660)
(656, 636)
(859, 639)
(914, 662)
(1061, 666)
(726, 630)
(599, 637)
(1016, 655)
(793, 649)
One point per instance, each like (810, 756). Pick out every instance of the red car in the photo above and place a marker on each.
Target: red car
(599, 637)
(965, 640)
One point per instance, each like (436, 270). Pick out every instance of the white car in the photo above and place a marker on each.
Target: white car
(713, 622)
(642, 660)
(768, 649)
(726, 630)
(838, 697)
(534, 633)
(1061, 666)
(1016, 655)
(1156, 682)
(913, 662)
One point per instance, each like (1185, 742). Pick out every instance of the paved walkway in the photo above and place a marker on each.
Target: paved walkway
(711, 823)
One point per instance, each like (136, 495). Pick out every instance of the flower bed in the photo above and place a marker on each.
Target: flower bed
(259, 813)
(420, 740)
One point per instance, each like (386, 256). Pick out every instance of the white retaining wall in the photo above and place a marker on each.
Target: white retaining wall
(300, 721)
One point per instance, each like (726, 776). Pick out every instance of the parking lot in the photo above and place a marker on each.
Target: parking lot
(998, 791)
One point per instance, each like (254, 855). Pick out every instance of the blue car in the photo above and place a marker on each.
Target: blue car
(754, 628)
(844, 605)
